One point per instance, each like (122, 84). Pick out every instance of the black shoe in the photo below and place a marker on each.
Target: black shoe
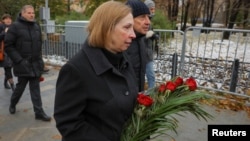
(6, 85)
(42, 117)
(12, 109)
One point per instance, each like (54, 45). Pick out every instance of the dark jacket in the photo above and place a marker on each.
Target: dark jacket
(93, 99)
(137, 55)
(151, 43)
(7, 61)
(149, 49)
(23, 44)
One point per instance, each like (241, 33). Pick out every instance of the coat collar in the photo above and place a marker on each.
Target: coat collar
(101, 64)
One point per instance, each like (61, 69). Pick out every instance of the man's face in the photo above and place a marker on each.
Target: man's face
(141, 24)
(29, 14)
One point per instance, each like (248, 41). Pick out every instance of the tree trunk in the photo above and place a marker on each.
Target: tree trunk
(195, 9)
(209, 10)
(185, 16)
(245, 15)
(232, 18)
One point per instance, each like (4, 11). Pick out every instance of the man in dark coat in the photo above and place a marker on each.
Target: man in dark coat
(23, 44)
(137, 50)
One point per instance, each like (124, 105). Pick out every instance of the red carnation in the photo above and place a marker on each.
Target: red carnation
(162, 88)
(171, 86)
(178, 81)
(191, 84)
(144, 100)
(41, 79)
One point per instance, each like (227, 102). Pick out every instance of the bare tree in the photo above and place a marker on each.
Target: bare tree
(246, 7)
(227, 12)
(184, 14)
(232, 18)
(208, 13)
(173, 7)
(195, 10)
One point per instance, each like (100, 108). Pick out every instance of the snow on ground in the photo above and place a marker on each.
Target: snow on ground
(212, 46)
(215, 25)
(55, 60)
(199, 45)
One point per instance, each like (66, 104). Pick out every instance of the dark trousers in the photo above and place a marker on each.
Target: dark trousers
(8, 73)
(34, 85)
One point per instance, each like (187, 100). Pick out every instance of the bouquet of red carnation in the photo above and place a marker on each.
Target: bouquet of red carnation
(153, 114)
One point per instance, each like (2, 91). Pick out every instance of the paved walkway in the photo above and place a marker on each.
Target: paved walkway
(22, 126)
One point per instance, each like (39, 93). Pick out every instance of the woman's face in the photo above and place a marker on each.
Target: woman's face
(7, 21)
(122, 35)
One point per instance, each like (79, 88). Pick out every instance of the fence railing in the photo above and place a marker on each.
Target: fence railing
(217, 64)
(62, 42)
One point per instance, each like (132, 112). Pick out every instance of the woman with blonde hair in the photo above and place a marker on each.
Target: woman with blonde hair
(96, 90)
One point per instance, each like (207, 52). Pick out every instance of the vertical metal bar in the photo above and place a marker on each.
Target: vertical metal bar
(174, 65)
(234, 76)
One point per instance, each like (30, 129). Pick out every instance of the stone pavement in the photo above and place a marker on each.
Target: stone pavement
(22, 126)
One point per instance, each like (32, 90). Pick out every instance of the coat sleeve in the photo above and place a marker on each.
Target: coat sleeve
(2, 33)
(70, 102)
(10, 44)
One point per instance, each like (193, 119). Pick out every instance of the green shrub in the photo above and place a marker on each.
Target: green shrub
(69, 17)
(160, 21)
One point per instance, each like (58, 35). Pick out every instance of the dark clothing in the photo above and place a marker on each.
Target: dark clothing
(137, 55)
(7, 61)
(149, 49)
(34, 86)
(23, 44)
(8, 73)
(96, 93)
(151, 43)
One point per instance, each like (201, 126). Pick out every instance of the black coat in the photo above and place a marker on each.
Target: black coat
(93, 98)
(7, 61)
(23, 44)
(137, 55)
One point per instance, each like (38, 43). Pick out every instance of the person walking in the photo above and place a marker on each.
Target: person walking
(151, 37)
(23, 44)
(6, 63)
(96, 90)
(137, 51)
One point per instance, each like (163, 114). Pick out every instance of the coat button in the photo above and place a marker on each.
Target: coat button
(126, 93)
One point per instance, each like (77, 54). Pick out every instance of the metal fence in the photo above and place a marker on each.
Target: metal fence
(61, 42)
(167, 51)
(216, 64)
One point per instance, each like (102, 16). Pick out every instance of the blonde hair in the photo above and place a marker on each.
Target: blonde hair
(103, 21)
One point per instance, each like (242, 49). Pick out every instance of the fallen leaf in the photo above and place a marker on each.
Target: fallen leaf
(57, 137)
